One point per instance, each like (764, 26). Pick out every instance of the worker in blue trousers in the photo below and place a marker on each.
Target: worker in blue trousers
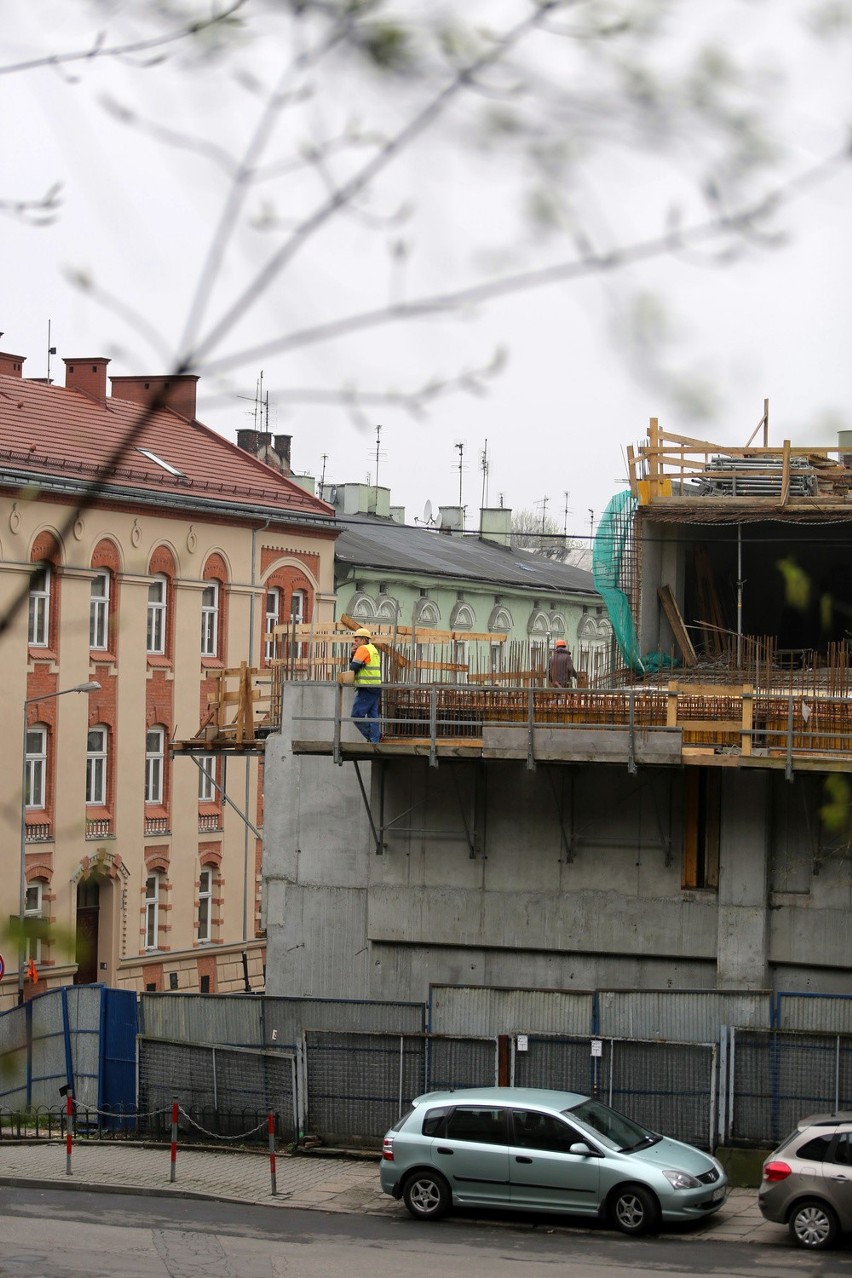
(365, 671)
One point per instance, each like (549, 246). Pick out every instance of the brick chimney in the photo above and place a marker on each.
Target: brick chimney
(176, 392)
(11, 365)
(88, 376)
(259, 444)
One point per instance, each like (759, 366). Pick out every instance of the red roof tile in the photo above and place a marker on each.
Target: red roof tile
(52, 430)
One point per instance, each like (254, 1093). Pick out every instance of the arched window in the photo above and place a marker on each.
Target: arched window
(388, 609)
(35, 783)
(500, 619)
(210, 619)
(154, 764)
(205, 905)
(96, 766)
(152, 910)
(99, 611)
(158, 597)
(38, 633)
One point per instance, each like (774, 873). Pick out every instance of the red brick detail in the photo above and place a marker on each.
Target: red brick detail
(152, 974)
(207, 967)
(210, 854)
(157, 858)
(271, 554)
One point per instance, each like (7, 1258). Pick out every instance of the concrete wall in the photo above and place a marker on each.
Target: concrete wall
(565, 876)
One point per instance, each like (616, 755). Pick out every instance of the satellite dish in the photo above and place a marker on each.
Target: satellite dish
(427, 512)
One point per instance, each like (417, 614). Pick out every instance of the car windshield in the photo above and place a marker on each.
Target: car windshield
(614, 1129)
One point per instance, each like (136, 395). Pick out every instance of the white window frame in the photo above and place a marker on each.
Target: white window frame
(38, 625)
(36, 767)
(496, 657)
(152, 910)
(158, 595)
(97, 747)
(34, 904)
(99, 612)
(210, 619)
(272, 615)
(298, 600)
(155, 752)
(207, 792)
(205, 905)
(460, 658)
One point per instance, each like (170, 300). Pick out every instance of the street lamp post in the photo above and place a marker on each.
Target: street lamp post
(92, 686)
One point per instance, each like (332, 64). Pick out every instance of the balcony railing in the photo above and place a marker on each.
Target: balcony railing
(99, 829)
(156, 825)
(210, 821)
(39, 832)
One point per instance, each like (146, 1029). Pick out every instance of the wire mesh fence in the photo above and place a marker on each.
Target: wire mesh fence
(777, 1077)
(219, 1088)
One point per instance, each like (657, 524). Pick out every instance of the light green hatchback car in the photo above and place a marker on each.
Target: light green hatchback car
(538, 1150)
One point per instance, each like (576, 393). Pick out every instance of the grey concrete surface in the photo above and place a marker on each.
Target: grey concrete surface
(315, 1181)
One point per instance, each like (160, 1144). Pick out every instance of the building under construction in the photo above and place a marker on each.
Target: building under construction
(683, 821)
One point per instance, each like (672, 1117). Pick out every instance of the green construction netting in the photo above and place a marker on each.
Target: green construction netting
(607, 554)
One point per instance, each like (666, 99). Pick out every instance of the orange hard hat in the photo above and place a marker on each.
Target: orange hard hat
(560, 643)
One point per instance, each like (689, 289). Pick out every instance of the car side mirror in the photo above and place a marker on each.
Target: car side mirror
(580, 1147)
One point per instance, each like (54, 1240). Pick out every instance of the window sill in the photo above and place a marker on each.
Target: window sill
(159, 660)
(101, 657)
(212, 663)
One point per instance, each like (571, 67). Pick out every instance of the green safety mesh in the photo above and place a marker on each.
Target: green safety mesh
(607, 555)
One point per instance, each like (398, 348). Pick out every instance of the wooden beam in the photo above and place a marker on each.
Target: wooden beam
(675, 620)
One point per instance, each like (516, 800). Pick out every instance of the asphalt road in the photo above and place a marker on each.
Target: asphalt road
(55, 1234)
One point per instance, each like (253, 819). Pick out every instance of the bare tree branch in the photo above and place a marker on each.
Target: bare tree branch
(670, 241)
(99, 49)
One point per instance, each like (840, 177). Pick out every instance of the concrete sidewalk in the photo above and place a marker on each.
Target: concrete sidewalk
(314, 1181)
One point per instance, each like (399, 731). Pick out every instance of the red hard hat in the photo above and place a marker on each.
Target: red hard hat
(560, 643)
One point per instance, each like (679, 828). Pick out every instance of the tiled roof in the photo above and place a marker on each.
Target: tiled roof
(65, 434)
(367, 542)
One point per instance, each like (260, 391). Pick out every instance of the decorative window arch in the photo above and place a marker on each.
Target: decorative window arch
(462, 616)
(556, 623)
(538, 626)
(426, 612)
(388, 609)
(362, 606)
(501, 619)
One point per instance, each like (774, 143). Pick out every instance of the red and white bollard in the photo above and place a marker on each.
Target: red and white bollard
(69, 1119)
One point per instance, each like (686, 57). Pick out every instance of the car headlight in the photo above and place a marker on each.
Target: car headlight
(681, 1180)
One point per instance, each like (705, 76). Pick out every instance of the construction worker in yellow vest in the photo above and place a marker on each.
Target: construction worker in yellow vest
(366, 663)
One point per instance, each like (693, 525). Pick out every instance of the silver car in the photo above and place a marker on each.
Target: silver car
(538, 1150)
(807, 1180)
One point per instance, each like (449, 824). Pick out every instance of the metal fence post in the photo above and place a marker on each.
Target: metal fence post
(69, 1119)
(270, 1127)
(173, 1155)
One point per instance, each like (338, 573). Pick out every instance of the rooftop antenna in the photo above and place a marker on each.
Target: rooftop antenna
(324, 458)
(565, 513)
(591, 525)
(258, 403)
(378, 447)
(460, 448)
(484, 464)
(51, 350)
(543, 504)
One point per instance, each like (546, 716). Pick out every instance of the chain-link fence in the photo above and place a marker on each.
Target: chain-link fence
(776, 1077)
(220, 1089)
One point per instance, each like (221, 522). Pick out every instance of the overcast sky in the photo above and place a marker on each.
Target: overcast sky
(137, 214)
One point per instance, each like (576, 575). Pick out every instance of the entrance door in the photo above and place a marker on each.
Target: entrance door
(88, 906)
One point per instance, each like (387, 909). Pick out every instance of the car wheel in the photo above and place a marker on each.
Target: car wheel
(813, 1224)
(634, 1209)
(426, 1195)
